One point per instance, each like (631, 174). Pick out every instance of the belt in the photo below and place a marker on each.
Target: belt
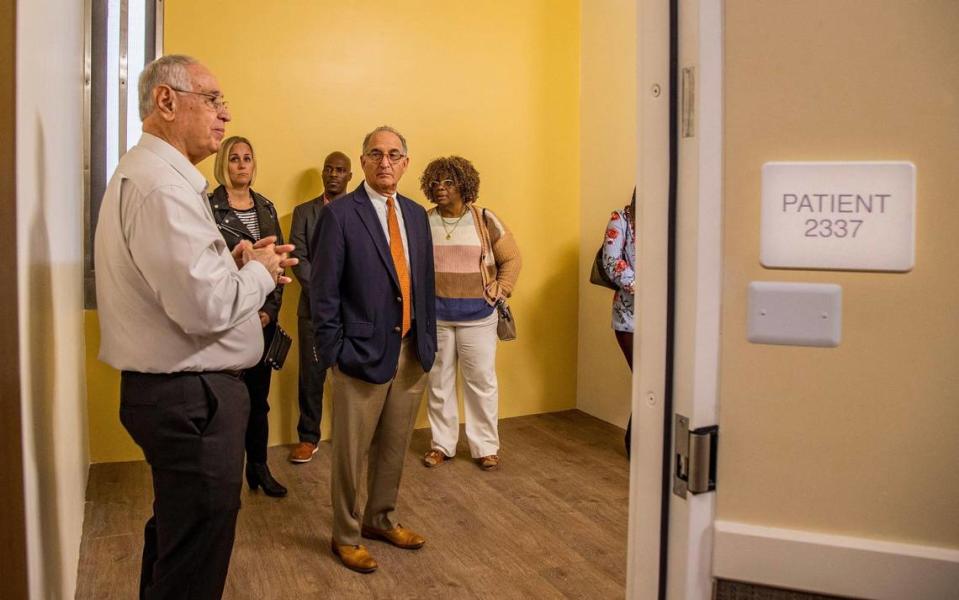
(236, 373)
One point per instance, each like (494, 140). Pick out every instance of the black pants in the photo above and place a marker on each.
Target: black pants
(311, 385)
(258, 383)
(190, 427)
(625, 340)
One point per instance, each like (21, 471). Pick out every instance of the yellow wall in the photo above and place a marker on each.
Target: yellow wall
(109, 441)
(496, 81)
(861, 439)
(608, 165)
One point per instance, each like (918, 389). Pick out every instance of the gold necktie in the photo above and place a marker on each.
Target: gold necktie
(399, 261)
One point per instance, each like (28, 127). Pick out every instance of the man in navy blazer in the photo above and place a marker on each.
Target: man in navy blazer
(372, 298)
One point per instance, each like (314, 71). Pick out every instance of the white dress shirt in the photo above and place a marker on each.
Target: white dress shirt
(169, 294)
(379, 205)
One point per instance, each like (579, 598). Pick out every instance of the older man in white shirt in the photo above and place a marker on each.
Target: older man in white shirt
(178, 316)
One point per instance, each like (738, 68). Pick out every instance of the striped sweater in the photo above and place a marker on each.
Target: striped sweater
(477, 262)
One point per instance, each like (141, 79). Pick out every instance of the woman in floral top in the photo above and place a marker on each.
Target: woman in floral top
(619, 262)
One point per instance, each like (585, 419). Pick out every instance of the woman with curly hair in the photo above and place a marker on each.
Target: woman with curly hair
(619, 260)
(477, 264)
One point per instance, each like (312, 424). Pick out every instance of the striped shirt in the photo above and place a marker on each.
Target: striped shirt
(249, 218)
(459, 283)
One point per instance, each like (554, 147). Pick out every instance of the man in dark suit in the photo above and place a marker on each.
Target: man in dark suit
(337, 174)
(374, 315)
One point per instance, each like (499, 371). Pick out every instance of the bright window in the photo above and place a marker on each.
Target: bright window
(121, 39)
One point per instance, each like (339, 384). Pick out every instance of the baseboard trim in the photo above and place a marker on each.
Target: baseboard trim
(833, 564)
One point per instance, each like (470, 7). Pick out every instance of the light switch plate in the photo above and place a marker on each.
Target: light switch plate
(795, 314)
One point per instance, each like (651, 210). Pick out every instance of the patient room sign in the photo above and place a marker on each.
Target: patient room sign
(858, 216)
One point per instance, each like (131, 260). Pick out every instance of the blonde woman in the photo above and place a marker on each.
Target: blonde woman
(477, 264)
(242, 214)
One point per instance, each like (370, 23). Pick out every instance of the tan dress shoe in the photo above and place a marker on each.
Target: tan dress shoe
(302, 452)
(489, 463)
(354, 557)
(399, 536)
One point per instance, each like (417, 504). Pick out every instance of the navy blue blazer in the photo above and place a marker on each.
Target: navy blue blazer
(355, 294)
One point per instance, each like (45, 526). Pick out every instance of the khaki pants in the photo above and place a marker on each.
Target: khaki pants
(372, 423)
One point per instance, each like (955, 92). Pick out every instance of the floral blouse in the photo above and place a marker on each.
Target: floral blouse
(619, 260)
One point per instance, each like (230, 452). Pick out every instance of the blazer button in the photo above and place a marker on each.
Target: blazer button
(397, 329)
(399, 298)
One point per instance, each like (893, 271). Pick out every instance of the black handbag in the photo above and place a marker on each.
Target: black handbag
(279, 347)
(598, 275)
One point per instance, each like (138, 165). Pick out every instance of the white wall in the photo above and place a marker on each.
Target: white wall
(50, 262)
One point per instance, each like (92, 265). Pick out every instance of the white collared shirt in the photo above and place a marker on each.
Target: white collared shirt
(379, 205)
(169, 295)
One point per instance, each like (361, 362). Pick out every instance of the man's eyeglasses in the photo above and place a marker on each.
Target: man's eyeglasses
(394, 156)
(447, 183)
(214, 101)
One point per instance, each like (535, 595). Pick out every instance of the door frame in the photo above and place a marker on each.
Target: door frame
(13, 536)
(650, 341)
(670, 539)
(699, 241)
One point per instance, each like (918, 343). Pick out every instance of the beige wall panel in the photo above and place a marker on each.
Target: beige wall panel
(608, 163)
(860, 439)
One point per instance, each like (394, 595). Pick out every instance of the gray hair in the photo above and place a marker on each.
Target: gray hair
(167, 70)
(366, 140)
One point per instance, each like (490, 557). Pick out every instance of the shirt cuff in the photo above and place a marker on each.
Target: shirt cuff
(262, 275)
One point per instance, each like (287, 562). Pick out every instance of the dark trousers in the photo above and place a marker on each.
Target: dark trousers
(190, 427)
(625, 340)
(311, 383)
(258, 384)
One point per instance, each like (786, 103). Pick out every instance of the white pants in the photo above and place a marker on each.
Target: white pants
(473, 345)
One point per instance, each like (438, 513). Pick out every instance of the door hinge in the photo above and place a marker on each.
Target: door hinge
(688, 102)
(694, 464)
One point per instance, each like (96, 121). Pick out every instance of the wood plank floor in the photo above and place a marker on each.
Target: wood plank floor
(550, 523)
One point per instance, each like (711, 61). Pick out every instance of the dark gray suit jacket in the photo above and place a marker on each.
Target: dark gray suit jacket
(305, 216)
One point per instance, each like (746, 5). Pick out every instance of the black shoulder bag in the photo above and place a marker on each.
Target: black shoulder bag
(279, 347)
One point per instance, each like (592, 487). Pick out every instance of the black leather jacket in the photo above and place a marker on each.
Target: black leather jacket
(233, 230)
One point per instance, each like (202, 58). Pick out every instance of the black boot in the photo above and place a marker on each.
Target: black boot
(258, 475)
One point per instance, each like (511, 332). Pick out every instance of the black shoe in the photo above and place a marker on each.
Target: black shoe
(258, 475)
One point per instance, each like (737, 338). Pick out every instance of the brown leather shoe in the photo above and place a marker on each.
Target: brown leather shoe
(354, 557)
(435, 458)
(489, 463)
(399, 536)
(302, 452)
